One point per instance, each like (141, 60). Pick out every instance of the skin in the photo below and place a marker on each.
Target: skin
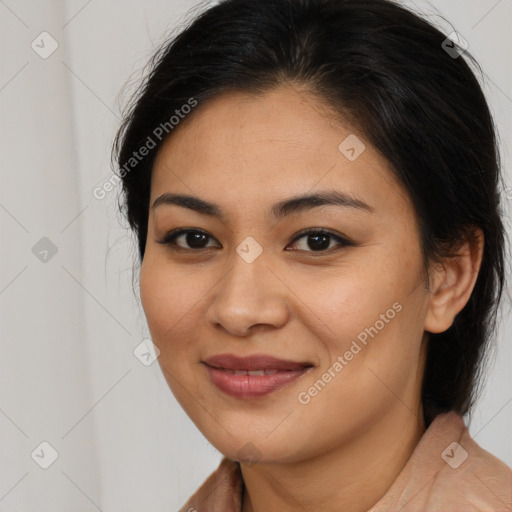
(343, 449)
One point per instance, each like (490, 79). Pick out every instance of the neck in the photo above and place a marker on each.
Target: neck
(352, 477)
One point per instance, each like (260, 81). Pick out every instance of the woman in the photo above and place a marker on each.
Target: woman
(314, 187)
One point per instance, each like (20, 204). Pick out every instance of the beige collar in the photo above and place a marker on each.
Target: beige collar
(447, 472)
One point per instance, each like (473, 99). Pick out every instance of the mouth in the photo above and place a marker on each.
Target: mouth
(253, 376)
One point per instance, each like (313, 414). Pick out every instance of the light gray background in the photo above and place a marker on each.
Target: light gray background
(69, 326)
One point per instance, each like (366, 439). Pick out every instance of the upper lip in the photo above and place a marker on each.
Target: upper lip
(254, 362)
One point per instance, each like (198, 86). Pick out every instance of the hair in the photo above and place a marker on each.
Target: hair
(383, 69)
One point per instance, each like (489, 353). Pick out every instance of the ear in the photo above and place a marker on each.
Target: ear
(452, 281)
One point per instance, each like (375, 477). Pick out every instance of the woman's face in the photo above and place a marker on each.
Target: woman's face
(347, 307)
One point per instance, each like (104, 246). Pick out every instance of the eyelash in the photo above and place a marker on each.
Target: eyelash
(169, 239)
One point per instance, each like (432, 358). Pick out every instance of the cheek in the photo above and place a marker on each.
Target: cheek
(171, 305)
(169, 299)
(371, 316)
(157, 299)
(349, 303)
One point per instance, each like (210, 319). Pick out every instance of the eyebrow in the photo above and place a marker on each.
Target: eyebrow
(296, 204)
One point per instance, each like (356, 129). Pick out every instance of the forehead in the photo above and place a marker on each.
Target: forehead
(246, 147)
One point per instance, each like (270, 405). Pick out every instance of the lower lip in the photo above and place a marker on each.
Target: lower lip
(252, 386)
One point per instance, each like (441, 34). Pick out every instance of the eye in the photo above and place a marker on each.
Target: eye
(195, 238)
(316, 239)
(319, 240)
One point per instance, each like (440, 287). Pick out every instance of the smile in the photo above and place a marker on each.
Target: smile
(253, 376)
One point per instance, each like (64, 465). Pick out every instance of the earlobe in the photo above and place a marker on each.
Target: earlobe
(452, 282)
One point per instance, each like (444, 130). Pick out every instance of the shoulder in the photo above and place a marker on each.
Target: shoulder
(484, 480)
(448, 470)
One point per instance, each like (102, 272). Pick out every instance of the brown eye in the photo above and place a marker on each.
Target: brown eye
(319, 240)
(192, 238)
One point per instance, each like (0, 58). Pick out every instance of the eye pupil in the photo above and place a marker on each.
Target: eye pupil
(321, 242)
(193, 237)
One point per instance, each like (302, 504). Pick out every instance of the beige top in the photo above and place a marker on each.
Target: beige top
(447, 472)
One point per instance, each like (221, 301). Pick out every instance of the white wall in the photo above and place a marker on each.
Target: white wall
(69, 325)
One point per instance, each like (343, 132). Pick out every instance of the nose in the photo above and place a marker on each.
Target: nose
(249, 298)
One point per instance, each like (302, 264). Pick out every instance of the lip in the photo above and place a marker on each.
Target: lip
(225, 371)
